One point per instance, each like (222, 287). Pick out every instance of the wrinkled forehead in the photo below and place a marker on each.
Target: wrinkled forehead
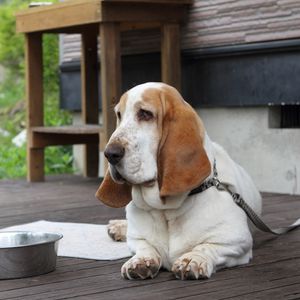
(144, 96)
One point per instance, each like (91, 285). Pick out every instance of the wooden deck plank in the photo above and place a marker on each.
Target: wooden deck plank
(274, 272)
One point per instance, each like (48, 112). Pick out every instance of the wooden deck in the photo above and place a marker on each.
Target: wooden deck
(274, 273)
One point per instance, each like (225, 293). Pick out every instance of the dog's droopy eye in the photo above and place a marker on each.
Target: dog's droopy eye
(144, 115)
(119, 116)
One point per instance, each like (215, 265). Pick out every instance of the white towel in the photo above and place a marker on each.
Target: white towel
(79, 240)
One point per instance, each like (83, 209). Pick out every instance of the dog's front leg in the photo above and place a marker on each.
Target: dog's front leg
(117, 230)
(205, 259)
(144, 264)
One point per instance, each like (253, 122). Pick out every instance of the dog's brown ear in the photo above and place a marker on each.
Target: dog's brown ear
(113, 194)
(182, 161)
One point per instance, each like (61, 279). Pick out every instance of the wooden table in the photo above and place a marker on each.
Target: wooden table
(92, 18)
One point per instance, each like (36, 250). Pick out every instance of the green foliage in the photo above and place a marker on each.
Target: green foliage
(12, 56)
(53, 115)
(13, 160)
(12, 103)
(58, 160)
(12, 44)
(51, 59)
(11, 92)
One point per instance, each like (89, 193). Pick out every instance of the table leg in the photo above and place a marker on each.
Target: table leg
(110, 75)
(34, 103)
(90, 97)
(170, 55)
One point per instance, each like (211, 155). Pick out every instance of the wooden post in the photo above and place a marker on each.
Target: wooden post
(110, 75)
(34, 99)
(90, 97)
(170, 55)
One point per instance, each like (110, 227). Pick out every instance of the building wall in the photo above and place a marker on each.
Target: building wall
(222, 22)
(212, 23)
(270, 155)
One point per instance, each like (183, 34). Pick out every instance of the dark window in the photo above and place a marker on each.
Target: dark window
(290, 116)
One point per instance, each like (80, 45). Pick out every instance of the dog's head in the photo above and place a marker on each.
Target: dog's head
(159, 137)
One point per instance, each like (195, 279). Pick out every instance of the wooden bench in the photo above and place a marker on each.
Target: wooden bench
(92, 18)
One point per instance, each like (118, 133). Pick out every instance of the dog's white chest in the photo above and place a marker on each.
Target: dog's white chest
(168, 221)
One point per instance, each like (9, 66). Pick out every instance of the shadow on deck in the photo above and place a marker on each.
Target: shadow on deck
(274, 272)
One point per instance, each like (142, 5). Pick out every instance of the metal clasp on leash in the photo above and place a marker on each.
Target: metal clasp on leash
(216, 182)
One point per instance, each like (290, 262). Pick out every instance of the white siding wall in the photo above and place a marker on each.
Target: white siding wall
(270, 155)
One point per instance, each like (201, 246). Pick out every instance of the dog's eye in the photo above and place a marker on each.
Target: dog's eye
(119, 116)
(144, 115)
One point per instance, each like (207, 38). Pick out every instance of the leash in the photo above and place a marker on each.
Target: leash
(238, 200)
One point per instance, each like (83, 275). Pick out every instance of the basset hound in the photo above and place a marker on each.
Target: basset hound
(158, 153)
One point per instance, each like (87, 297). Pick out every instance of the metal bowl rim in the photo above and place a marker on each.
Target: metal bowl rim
(58, 236)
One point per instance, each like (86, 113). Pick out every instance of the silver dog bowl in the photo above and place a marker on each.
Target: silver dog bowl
(25, 253)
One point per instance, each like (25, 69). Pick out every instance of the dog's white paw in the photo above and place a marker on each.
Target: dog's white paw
(140, 268)
(117, 230)
(192, 266)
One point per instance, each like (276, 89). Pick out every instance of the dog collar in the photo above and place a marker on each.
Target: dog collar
(213, 181)
(238, 200)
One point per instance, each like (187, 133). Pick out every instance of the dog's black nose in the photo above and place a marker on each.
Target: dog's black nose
(114, 153)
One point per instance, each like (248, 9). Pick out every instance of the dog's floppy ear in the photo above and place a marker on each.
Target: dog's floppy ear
(113, 194)
(182, 161)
